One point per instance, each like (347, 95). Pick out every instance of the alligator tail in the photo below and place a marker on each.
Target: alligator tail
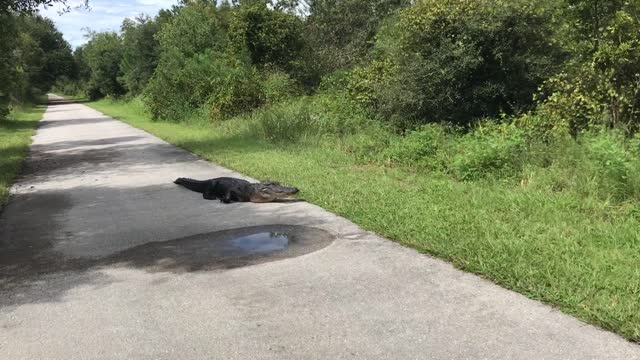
(191, 184)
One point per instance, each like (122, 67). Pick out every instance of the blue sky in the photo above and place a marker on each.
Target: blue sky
(104, 15)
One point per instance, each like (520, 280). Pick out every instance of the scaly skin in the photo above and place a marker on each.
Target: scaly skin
(229, 190)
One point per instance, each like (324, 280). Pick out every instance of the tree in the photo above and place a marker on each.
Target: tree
(8, 42)
(600, 85)
(30, 6)
(193, 46)
(458, 61)
(15, 47)
(340, 32)
(46, 56)
(192, 29)
(103, 55)
(271, 37)
(140, 52)
(33, 55)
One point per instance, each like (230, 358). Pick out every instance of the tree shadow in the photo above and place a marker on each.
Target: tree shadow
(72, 122)
(58, 102)
(41, 246)
(73, 144)
(98, 157)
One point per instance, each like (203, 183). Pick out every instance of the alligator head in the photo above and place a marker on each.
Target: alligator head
(270, 191)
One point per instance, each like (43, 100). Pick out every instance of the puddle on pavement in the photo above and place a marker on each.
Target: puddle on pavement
(210, 251)
(224, 249)
(263, 242)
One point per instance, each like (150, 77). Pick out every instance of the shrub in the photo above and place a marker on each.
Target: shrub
(236, 90)
(309, 118)
(335, 82)
(192, 67)
(614, 168)
(278, 86)
(424, 148)
(8, 43)
(68, 87)
(195, 28)
(223, 85)
(490, 150)
(600, 164)
(370, 144)
(541, 126)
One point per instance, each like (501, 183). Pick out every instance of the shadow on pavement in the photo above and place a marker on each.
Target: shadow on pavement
(37, 248)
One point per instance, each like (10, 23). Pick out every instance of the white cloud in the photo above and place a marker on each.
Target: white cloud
(103, 15)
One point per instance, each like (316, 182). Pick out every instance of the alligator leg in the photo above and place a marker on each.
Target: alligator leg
(227, 197)
(209, 193)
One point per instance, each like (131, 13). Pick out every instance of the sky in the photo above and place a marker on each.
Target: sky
(103, 15)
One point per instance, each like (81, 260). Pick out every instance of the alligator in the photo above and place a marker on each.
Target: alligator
(229, 189)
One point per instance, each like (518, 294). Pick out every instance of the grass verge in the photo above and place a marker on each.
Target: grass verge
(15, 138)
(580, 254)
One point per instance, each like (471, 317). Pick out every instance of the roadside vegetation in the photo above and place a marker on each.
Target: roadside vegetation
(15, 137)
(499, 135)
(33, 56)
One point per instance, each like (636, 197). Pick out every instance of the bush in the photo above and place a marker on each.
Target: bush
(8, 68)
(68, 87)
(424, 148)
(601, 165)
(450, 60)
(370, 144)
(236, 90)
(615, 169)
(192, 69)
(335, 82)
(195, 28)
(491, 150)
(278, 86)
(541, 126)
(181, 85)
(309, 118)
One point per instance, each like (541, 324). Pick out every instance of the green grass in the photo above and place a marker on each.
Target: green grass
(581, 254)
(15, 138)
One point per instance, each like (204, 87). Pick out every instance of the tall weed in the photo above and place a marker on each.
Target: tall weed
(308, 118)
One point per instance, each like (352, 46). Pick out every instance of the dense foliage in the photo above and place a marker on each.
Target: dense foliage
(600, 85)
(140, 52)
(503, 78)
(33, 56)
(103, 55)
(561, 66)
(458, 61)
